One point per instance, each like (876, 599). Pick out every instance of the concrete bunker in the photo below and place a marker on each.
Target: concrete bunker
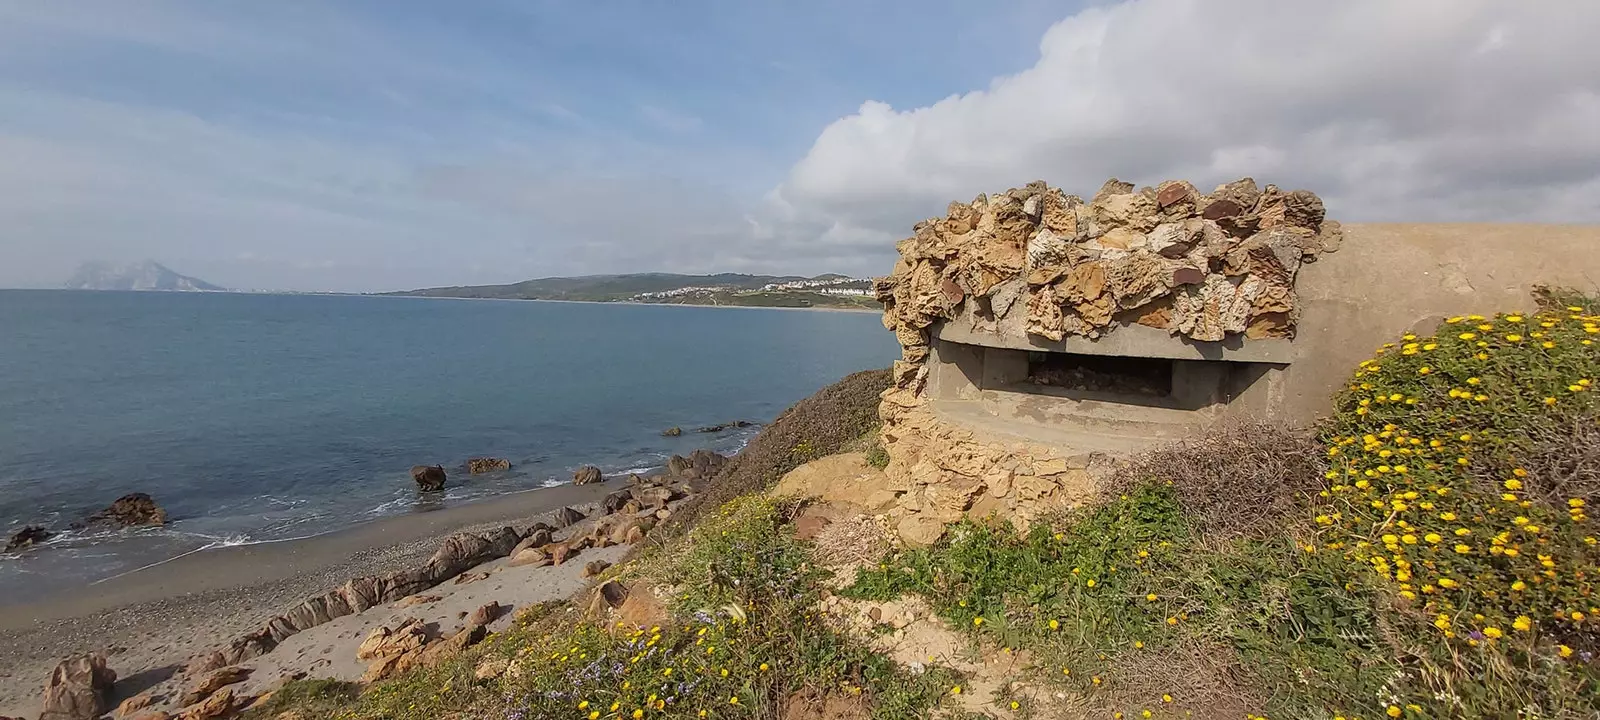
(1041, 332)
(1108, 397)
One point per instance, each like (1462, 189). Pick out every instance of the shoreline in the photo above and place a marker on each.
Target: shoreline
(158, 618)
(630, 303)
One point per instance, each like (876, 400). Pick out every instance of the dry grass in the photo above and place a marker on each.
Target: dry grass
(820, 425)
(1238, 479)
(1562, 462)
(1205, 679)
(855, 540)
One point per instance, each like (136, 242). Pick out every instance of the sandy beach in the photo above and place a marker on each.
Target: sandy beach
(153, 621)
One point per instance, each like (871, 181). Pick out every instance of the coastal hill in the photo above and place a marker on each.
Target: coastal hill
(829, 290)
(147, 275)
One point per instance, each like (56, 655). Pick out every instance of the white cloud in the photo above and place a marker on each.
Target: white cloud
(1416, 110)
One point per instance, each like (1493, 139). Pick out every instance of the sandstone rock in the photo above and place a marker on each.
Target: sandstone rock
(481, 465)
(653, 497)
(1112, 187)
(677, 465)
(79, 689)
(919, 530)
(672, 432)
(429, 478)
(535, 556)
(587, 474)
(27, 537)
(131, 510)
(641, 609)
(636, 535)
(491, 668)
(407, 636)
(1173, 239)
(594, 568)
(1044, 314)
(242, 648)
(462, 551)
(486, 614)
(1085, 282)
(560, 552)
(382, 668)
(136, 703)
(214, 681)
(219, 704)
(150, 715)
(539, 537)
(567, 517)
(1131, 211)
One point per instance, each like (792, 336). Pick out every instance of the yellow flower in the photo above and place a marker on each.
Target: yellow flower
(1166, 698)
(1462, 549)
(977, 622)
(1138, 644)
(594, 714)
(1564, 650)
(1151, 597)
(1393, 711)
(583, 705)
(1172, 621)
(955, 690)
(734, 699)
(638, 713)
(1145, 714)
(1091, 582)
(1523, 623)
(765, 667)
(1055, 624)
(1492, 632)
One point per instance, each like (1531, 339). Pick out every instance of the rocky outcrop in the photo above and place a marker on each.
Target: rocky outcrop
(673, 431)
(586, 475)
(27, 537)
(219, 704)
(724, 426)
(699, 464)
(481, 465)
(79, 689)
(131, 510)
(458, 553)
(429, 478)
(411, 644)
(214, 681)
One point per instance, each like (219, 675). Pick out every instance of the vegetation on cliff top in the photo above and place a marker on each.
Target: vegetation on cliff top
(1427, 553)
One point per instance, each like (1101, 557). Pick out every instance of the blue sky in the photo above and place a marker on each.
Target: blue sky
(370, 145)
(367, 145)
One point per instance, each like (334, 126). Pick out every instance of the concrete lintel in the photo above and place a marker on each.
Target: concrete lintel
(1128, 340)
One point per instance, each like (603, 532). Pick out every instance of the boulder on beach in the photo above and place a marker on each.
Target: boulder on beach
(487, 614)
(700, 464)
(672, 432)
(587, 474)
(27, 537)
(214, 681)
(481, 465)
(615, 501)
(79, 689)
(566, 517)
(429, 478)
(131, 510)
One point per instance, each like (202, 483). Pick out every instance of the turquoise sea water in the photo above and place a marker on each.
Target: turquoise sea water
(262, 417)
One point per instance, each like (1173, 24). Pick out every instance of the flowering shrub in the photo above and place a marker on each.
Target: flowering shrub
(1429, 486)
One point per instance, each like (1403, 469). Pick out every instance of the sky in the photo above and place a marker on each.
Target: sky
(366, 145)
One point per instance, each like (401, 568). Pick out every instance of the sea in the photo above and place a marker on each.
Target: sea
(256, 418)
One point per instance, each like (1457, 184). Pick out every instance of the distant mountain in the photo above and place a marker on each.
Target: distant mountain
(603, 288)
(147, 275)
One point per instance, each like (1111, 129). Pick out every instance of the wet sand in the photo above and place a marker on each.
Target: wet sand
(153, 621)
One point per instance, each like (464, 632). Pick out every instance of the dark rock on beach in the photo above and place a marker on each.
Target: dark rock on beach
(481, 465)
(672, 432)
(27, 537)
(429, 478)
(566, 517)
(587, 474)
(131, 510)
